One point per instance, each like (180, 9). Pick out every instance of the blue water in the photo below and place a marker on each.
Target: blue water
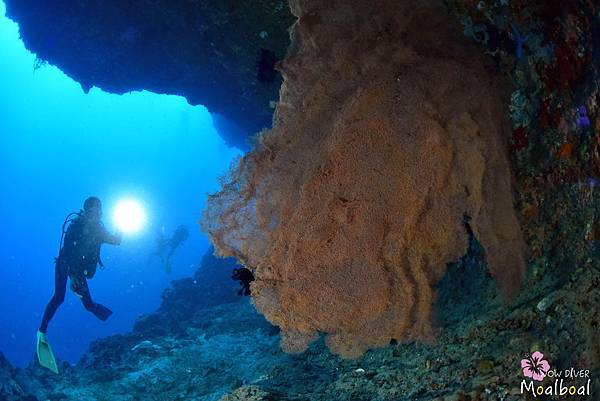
(58, 146)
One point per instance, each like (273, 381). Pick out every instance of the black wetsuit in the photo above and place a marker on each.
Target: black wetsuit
(77, 260)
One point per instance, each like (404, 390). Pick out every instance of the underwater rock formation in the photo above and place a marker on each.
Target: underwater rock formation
(211, 285)
(229, 352)
(10, 389)
(555, 115)
(210, 52)
(390, 128)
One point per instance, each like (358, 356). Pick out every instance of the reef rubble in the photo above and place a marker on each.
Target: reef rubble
(229, 352)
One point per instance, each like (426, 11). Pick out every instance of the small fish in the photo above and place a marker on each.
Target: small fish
(519, 40)
(582, 117)
(592, 182)
(519, 138)
(565, 151)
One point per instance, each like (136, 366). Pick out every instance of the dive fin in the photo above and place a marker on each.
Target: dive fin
(101, 312)
(44, 353)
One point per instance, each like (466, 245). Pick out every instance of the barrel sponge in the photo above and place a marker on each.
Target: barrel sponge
(389, 130)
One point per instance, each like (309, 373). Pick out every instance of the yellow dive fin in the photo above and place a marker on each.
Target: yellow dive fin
(44, 353)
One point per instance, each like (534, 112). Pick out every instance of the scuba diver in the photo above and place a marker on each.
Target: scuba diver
(162, 243)
(77, 259)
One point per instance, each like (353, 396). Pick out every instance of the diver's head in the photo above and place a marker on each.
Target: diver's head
(92, 207)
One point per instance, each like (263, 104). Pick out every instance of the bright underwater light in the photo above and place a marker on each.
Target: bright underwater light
(129, 216)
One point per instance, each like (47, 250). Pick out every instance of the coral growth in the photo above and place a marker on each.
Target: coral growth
(389, 130)
(556, 121)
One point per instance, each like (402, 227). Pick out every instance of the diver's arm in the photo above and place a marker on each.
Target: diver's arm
(108, 238)
(114, 239)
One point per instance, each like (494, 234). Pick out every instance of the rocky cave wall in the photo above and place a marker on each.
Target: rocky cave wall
(345, 75)
(220, 54)
(389, 131)
(550, 51)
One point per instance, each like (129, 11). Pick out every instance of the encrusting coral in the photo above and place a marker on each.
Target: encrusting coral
(389, 131)
(555, 119)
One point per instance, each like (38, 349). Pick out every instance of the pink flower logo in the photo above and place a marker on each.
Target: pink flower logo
(535, 366)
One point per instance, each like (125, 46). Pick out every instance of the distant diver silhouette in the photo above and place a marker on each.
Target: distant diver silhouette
(78, 257)
(162, 244)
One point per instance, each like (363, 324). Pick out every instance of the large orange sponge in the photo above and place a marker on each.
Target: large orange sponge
(389, 130)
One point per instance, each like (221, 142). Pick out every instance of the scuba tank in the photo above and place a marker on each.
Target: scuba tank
(68, 220)
(90, 271)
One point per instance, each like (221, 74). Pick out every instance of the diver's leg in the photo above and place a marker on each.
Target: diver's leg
(60, 288)
(168, 267)
(100, 311)
(171, 252)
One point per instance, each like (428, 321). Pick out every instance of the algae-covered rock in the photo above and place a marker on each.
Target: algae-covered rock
(249, 393)
(9, 389)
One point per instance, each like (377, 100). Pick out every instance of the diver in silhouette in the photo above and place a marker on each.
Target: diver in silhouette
(77, 259)
(162, 244)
